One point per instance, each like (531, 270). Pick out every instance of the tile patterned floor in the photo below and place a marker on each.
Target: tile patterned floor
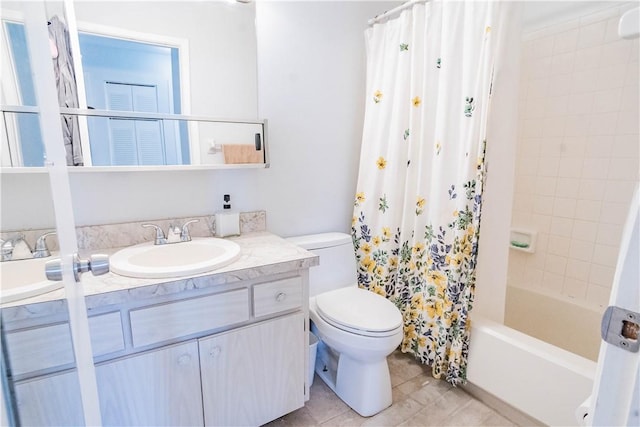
(418, 400)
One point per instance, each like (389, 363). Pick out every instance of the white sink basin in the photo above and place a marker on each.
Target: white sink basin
(24, 278)
(174, 260)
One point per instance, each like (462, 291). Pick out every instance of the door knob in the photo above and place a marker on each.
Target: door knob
(97, 263)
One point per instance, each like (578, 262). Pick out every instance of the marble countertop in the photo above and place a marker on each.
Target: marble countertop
(262, 253)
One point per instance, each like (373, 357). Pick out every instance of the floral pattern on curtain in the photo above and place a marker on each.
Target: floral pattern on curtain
(417, 208)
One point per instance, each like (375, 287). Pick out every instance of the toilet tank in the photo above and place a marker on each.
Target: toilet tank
(337, 267)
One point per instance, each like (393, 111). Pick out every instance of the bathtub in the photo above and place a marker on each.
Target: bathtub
(540, 380)
(561, 321)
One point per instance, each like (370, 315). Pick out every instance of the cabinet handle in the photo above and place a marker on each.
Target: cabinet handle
(185, 359)
(215, 351)
(281, 296)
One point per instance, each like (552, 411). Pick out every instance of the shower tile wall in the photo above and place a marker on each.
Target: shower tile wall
(577, 156)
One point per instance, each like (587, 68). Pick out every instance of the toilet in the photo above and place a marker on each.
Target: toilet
(357, 328)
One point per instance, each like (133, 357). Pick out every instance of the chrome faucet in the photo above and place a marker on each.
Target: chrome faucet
(17, 248)
(160, 239)
(42, 250)
(175, 234)
(184, 233)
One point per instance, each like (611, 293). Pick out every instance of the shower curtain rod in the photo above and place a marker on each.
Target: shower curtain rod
(391, 12)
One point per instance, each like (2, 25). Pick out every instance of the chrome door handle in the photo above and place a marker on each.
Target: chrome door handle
(97, 263)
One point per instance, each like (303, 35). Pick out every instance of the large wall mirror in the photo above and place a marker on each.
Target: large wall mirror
(139, 83)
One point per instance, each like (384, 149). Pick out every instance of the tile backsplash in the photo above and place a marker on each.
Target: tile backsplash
(577, 155)
(96, 237)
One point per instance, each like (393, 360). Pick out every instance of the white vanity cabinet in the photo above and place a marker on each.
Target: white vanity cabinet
(160, 387)
(231, 355)
(52, 400)
(255, 374)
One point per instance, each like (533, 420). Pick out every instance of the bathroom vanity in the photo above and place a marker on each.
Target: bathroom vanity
(228, 347)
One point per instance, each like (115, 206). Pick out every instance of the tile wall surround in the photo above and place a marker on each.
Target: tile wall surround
(96, 237)
(577, 155)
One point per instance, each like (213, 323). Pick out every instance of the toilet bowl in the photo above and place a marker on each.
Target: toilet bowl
(357, 329)
(353, 359)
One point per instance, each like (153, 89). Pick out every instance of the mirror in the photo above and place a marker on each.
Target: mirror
(190, 58)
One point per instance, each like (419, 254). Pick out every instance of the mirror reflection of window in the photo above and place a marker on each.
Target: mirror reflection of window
(125, 75)
(120, 75)
(27, 126)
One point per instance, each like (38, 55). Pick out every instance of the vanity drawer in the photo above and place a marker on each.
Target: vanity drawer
(276, 296)
(50, 346)
(173, 320)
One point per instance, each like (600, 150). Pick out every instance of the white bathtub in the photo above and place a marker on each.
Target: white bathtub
(543, 381)
(561, 321)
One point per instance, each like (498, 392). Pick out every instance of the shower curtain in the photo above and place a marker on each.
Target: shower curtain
(417, 208)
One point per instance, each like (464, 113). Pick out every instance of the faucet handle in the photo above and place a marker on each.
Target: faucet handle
(42, 250)
(184, 235)
(160, 239)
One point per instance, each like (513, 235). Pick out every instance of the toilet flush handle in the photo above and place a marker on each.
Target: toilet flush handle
(281, 296)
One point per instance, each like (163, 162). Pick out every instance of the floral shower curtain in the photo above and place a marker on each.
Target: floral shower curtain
(416, 219)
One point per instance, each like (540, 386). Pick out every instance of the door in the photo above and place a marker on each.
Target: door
(81, 375)
(159, 387)
(250, 375)
(615, 399)
(127, 75)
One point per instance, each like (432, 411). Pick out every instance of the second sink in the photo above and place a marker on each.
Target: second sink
(174, 260)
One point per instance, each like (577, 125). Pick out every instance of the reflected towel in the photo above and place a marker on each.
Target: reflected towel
(241, 153)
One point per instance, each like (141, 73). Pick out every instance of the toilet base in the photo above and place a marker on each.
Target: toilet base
(364, 386)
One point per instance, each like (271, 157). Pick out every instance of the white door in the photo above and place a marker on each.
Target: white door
(35, 19)
(615, 399)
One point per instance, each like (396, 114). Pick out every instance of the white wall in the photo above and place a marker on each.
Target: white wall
(578, 157)
(222, 46)
(311, 80)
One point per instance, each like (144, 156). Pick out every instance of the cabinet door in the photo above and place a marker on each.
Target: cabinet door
(253, 375)
(161, 387)
(50, 401)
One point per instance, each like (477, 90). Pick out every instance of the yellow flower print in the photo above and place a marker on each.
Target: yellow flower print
(360, 198)
(412, 266)
(353, 220)
(417, 302)
(422, 341)
(414, 314)
(410, 331)
(418, 247)
(377, 96)
(420, 205)
(368, 263)
(470, 231)
(393, 261)
(430, 309)
(376, 240)
(456, 213)
(437, 278)
(488, 29)
(381, 162)
(366, 248)
(379, 290)
(386, 233)
(416, 101)
(380, 270)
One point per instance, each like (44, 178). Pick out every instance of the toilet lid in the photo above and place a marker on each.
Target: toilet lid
(358, 310)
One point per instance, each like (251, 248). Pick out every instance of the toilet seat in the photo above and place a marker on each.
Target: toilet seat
(359, 311)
